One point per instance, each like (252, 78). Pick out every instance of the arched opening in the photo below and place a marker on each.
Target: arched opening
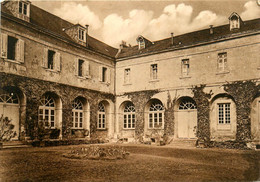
(80, 117)
(186, 118)
(50, 111)
(127, 121)
(101, 116)
(10, 108)
(155, 110)
(129, 116)
(255, 119)
(223, 118)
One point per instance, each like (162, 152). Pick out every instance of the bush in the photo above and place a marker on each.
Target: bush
(6, 129)
(98, 153)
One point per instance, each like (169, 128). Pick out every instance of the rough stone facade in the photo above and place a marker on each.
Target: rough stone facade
(193, 102)
(33, 90)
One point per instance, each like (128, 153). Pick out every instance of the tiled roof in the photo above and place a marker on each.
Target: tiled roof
(189, 39)
(55, 24)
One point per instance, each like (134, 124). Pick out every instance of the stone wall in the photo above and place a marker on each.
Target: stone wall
(33, 89)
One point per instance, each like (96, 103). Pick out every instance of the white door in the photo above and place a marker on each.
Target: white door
(187, 118)
(187, 122)
(9, 107)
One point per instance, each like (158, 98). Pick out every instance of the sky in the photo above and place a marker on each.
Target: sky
(114, 21)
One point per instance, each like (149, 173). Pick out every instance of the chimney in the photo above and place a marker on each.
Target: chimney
(86, 35)
(211, 29)
(172, 37)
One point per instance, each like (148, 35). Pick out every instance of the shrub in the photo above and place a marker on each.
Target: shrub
(97, 152)
(6, 129)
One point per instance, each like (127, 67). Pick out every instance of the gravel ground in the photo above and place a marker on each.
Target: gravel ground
(145, 163)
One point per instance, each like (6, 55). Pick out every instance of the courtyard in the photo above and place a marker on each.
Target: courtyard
(145, 163)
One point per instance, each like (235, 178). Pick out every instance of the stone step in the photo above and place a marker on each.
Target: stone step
(14, 144)
(183, 143)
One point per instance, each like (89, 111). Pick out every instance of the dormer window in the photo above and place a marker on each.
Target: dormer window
(142, 42)
(23, 8)
(82, 36)
(235, 21)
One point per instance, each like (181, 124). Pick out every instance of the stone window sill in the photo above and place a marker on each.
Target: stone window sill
(102, 129)
(12, 61)
(105, 83)
(185, 77)
(155, 80)
(128, 129)
(224, 127)
(222, 72)
(84, 77)
(51, 70)
(126, 84)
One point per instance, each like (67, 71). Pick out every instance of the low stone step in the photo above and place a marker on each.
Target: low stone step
(14, 144)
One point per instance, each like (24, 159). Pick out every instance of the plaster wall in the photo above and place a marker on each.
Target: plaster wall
(243, 63)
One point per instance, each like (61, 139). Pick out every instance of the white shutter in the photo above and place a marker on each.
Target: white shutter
(108, 75)
(100, 73)
(85, 68)
(57, 61)
(3, 45)
(45, 58)
(76, 67)
(20, 53)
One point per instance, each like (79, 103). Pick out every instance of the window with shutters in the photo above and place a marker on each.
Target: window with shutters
(104, 74)
(51, 55)
(51, 60)
(12, 48)
(82, 68)
(12, 44)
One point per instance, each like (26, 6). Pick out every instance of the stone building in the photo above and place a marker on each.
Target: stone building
(200, 85)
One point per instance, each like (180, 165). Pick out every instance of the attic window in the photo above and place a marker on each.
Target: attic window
(23, 8)
(234, 22)
(141, 44)
(82, 35)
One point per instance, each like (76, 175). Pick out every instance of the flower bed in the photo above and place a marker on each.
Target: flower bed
(98, 153)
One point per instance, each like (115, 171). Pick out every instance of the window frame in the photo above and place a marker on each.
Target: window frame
(154, 71)
(127, 76)
(222, 62)
(45, 107)
(185, 67)
(226, 113)
(154, 116)
(77, 110)
(50, 63)
(82, 34)
(129, 117)
(101, 122)
(23, 9)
